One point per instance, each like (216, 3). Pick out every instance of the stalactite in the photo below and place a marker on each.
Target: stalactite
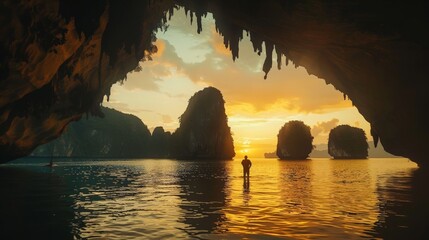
(279, 57)
(268, 63)
(199, 13)
(234, 48)
(226, 44)
(256, 42)
(170, 13)
(199, 25)
(186, 11)
(232, 35)
(374, 136)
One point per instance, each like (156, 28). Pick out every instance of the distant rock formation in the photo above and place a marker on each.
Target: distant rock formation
(347, 142)
(204, 132)
(321, 151)
(116, 135)
(271, 155)
(294, 141)
(160, 143)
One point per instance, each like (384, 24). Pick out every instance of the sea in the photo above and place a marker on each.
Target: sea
(319, 198)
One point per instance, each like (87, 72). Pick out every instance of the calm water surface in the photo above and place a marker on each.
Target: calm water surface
(168, 199)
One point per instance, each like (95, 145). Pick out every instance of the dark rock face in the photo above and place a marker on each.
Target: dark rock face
(204, 131)
(347, 142)
(116, 135)
(294, 141)
(59, 58)
(160, 143)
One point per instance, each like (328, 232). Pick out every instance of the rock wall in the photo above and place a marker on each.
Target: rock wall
(160, 143)
(347, 142)
(116, 135)
(203, 132)
(58, 59)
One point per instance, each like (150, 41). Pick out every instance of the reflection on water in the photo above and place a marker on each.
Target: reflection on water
(404, 211)
(203, 197)
(157, 199)
(35, 202)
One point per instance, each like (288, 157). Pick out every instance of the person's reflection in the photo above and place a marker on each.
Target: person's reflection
(246, 184)
(246, 191)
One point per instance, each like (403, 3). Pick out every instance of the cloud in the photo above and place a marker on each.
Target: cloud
(324, 127)
(124, 107)
(165, 64)
(242, 81)
(247, 121)
(166, 119)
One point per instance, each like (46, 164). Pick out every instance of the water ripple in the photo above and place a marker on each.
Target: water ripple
(166, 199)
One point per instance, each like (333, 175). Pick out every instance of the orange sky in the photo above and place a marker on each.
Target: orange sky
(187, 62)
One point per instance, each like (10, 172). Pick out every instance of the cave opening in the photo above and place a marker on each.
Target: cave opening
(191, 57)
(71, 52)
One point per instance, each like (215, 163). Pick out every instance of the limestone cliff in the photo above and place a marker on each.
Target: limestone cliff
(160, 143)
(347, 142)
(294, 141)
(58, 58)
(203, 132)
(117, 135)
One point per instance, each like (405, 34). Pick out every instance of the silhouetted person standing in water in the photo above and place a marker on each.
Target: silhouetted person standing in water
(247, 164)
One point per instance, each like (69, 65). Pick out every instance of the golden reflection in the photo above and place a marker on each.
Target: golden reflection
(255, 205)
(295, 184)
(246, 191)
(301, 199)
(352, 193)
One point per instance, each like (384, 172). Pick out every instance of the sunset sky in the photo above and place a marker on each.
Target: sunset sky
(187, 62)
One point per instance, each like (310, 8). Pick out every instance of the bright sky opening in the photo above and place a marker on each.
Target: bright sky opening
(187, 62)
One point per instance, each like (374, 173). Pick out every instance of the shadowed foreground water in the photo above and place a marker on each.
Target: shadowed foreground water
(159, 199)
